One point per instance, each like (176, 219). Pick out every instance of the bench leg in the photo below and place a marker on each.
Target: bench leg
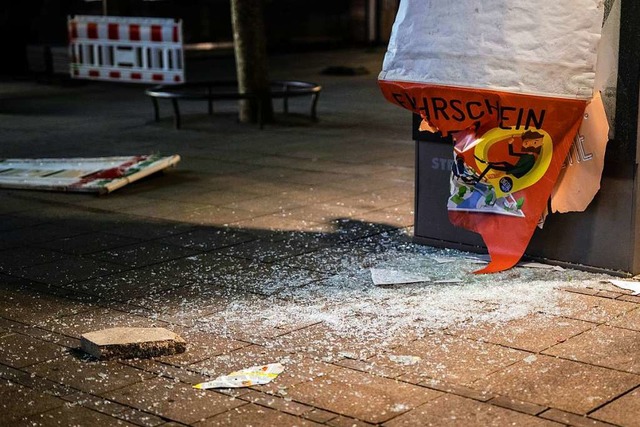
(176, 113)
(314, 103)
(285, 104)
(210, 105)
(156, 109)
(260, 115)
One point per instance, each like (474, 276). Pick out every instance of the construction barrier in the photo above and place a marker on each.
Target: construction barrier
(115, 48)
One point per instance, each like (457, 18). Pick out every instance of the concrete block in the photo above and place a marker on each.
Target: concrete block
(127, 343)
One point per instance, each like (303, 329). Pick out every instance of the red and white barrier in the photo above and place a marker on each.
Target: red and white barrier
(115, 48)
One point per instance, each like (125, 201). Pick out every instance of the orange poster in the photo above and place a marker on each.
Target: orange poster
(509, 150)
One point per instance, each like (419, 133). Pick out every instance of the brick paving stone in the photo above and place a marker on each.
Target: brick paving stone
(208, 239)
(592, 309)
(459, 390)
(19, 350)
(193, 213)
(341, 421)
(96, 319)
(201, 345)
(360, 395)
(264, 205)
(69, 270)
(319, 416)
(449, 410)
(88, 375)
(394, 216)
(609, 294)
(630, 320)
(517, 405)
(127, 285)
(582, 291)
(142, 418)
(324, 212)
(267, 279)
(572, 419)
(264, 251)
(73, 416)
(278, 403)
(275, 222)
(96, 403)
(17, 402)
(254, 415)
(143, 254)
(23, 378)
(174, 401)
(532, 333)
(52, 337)
(206, 196)
(630, 298)
(114, 409)
(558, 383)
(142, 228)
(203, 267)
(604, 346)
(28, 305)
(15, 222)
(38, 233)
(624, 411)
(321, 342)
(88, 243)
(14, 260)
(158, 368)
(200, 306)
(448, 358)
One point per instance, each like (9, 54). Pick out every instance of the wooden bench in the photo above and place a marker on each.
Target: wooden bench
(228, 91)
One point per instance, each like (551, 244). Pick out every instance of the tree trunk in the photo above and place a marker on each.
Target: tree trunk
(251, 57)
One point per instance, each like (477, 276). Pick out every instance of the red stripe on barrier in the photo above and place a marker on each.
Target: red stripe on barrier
(176, 78)
(136, 76)
(134, 32)
(157, 77)
(156, 33)
(114, 74)
(114, 34)
(94, 73)
(92, 30)
(175, 34)
(76, 72)
(73, 31)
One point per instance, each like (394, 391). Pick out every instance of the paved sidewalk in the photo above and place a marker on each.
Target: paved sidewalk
(256, 249)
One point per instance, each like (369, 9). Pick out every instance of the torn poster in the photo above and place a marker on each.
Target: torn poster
(98, 175)
(510, 84)
(255, 375)
(579, 180)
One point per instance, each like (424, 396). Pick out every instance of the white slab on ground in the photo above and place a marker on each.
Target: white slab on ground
(383, 276)
(626, 284)
(97, 175)
(127, 343)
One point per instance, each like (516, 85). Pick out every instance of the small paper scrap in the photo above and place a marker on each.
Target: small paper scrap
(405, 360)
(255, 375)
(382, 276)
(626, 284)
(539, 265)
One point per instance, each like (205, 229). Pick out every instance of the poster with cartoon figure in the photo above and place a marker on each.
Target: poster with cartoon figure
(511, 87)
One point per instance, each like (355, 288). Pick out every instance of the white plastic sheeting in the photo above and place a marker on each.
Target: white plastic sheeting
(544, 47)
